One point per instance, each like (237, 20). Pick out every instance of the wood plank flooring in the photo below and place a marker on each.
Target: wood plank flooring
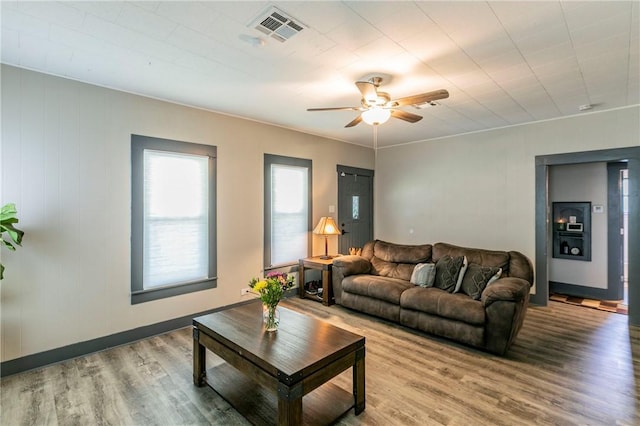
(569, 366)
(617, 306)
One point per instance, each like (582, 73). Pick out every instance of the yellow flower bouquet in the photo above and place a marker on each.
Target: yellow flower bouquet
(271, 289)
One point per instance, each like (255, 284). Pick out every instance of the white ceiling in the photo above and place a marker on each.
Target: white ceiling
(503, 63)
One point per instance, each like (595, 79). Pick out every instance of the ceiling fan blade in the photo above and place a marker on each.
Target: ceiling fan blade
(406, 116)
(335, 109)
(355, 121)
(420, 99)
(368, 90)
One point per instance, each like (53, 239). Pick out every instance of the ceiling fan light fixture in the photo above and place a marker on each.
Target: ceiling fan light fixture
(376, 115)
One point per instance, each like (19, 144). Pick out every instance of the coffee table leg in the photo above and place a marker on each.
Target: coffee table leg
(289, 404)
(358, 382)
(199, 359)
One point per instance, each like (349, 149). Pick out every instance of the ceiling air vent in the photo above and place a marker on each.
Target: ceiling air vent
(277, 24)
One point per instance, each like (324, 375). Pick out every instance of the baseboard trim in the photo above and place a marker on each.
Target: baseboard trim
(580, 291)
(53, 356)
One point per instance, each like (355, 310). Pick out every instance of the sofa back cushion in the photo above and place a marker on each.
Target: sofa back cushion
(513, 263)
(395, 260)
(401, 253)
(482, 257)
(520, 266)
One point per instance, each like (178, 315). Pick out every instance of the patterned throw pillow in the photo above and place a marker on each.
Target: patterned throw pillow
(476, 278)
(463, 269)
(424, 274)
(495, 277)
(447, 272)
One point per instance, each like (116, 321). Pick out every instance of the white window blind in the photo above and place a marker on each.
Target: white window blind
(175, 218)
(289, 213)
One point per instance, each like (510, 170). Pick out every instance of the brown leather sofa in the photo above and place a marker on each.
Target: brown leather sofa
(378, 283)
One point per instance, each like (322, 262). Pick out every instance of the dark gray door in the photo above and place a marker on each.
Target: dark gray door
(355, 207)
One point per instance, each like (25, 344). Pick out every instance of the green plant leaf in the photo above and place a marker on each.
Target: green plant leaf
(8, 245)
(8, 211)
(14, 233)
(8, 216)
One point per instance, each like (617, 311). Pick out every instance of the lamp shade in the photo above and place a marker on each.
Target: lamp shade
(327, 226)
(376, 115)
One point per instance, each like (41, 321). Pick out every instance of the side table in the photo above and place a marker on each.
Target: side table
(323, 265)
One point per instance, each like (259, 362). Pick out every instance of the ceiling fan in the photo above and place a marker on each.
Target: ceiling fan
(376, 107)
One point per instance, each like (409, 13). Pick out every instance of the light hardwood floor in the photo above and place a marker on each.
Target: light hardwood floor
(569, 366)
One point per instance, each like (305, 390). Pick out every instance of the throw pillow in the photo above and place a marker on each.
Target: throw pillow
(463, 269)
(495, 277)
(476, 279)
(447, 272)
(424, 274)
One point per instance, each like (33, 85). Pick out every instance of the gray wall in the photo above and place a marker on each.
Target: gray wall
(478, 189)
(66, 165)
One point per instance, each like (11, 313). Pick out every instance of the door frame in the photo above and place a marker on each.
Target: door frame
(543, 218)
(615, 240)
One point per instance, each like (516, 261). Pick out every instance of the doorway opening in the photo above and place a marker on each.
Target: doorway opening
(543, 227)
(586, 263)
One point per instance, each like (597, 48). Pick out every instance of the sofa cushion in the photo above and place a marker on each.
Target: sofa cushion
(383, 268)
(424, 274)
(383, 288)
(400, 253)
(500, 259)
(447, 272)
(377, 307)
(434, 301)
(519, 266)
(476, 279)
(395, 260)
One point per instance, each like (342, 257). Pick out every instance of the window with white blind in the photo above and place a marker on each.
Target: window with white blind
(173, 218)
(287, 219)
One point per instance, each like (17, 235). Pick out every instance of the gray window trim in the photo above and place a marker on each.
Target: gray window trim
(138, 145)
(270, 159)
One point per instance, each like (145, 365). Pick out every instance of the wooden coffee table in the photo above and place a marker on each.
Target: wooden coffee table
(292, 366)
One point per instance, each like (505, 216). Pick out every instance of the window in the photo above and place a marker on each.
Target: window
(173, 223)
(287, 213)
(355, 207)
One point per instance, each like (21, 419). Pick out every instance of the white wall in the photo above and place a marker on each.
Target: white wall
(66, 164)
(582, 182)
(478, 190)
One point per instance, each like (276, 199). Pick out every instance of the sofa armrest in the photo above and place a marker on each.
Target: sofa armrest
(352, 265)
(507, 289)
(344, 266)
(505, 302)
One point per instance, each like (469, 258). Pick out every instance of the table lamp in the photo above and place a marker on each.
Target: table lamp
(327, 226)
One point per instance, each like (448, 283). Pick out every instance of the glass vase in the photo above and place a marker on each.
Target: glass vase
(271, 317)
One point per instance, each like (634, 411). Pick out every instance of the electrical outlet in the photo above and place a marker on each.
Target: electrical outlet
(245, 291)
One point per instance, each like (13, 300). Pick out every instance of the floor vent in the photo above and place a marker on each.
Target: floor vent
(277, 24)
